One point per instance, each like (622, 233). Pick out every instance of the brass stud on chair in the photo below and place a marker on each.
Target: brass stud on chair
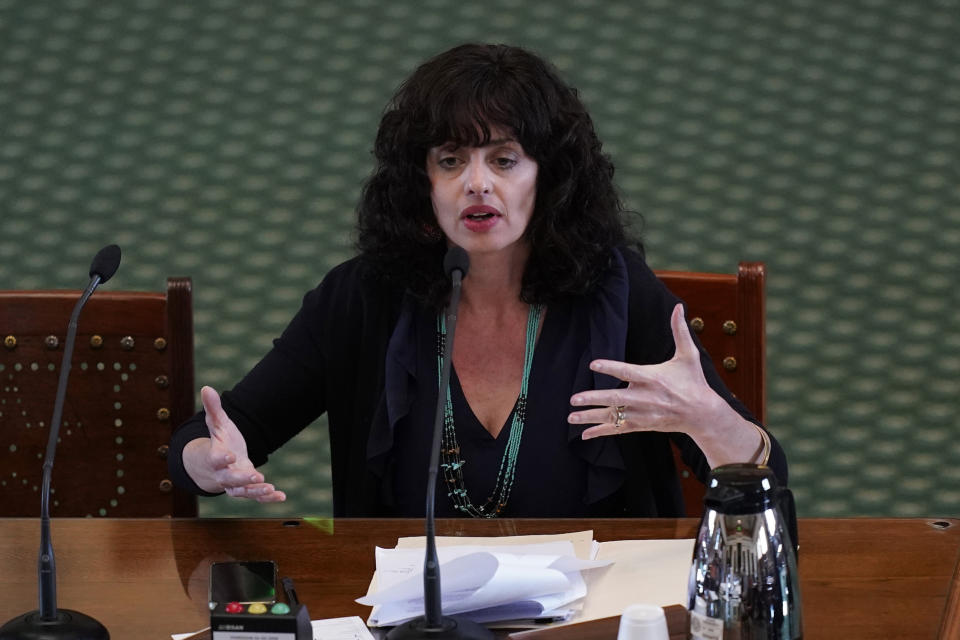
(730, 327)
(730, 363)
(160, 344)
(696, 324)
(165, 486)
(162, 381)
(96, 342)
(127, 343)
(162, 451)
(163, 414)
(51, 342)
(10, 342)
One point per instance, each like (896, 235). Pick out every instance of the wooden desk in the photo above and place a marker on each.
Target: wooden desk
(145, 578)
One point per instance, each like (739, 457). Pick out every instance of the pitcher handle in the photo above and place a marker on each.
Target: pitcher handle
(789, 510)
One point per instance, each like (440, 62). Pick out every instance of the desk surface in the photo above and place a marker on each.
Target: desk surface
(145, 578)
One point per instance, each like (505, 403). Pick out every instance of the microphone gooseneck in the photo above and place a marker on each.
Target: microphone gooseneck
(47, 621)
(455, 263)
(434, 624)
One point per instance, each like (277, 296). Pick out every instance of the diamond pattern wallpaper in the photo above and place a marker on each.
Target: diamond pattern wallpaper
(227, 140)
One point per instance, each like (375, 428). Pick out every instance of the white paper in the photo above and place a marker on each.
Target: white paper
(581, 540)
(350, 628)
(651, 571)
(484, 583)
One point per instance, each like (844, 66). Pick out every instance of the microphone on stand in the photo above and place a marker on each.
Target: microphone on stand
(433, 624)
(47, 622)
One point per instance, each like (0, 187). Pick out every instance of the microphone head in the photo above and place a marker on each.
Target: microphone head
(456, 260)
(105, 263)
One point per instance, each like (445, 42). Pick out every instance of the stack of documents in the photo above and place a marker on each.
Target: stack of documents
(527, 580)
(486, 584)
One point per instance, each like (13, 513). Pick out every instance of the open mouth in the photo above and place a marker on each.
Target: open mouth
(479, 213)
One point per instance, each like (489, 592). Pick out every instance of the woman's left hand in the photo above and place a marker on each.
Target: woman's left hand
(670, 396)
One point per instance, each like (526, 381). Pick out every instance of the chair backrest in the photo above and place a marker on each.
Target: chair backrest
(728, 314)
(131, 383)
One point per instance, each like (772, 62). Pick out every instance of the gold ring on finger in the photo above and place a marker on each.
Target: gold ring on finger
(621, 415)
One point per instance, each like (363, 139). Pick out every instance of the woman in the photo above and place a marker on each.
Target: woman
(486, 148)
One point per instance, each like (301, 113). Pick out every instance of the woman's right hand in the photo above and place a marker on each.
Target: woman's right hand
(220, 462)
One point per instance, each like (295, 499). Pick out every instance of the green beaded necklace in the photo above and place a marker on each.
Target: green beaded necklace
(452, 464)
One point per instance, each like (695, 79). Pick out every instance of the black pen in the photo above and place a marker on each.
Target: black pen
(288, 589)
(549, 619)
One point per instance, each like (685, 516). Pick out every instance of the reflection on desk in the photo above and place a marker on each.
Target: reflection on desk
(860, 578)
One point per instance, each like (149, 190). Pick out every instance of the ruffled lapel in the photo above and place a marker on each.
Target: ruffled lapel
(606, 313)
(399, 386)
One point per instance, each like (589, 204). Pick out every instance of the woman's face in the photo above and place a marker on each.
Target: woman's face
(483, 197)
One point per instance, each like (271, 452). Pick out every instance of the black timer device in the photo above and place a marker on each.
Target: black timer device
(243, 604)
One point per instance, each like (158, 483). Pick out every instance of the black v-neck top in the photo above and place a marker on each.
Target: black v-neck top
(550, 479)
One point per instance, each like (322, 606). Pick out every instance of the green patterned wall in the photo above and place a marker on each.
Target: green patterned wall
(227, 140)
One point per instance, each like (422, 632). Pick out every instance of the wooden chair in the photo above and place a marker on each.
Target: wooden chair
(728, 314)
(131, 383)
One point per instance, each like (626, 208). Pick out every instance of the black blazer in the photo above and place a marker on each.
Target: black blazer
(331, 358)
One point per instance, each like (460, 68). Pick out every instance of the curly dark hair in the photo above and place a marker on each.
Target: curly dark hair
(459, 96)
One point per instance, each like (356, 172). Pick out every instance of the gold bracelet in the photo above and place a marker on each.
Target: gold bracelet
(764, 446)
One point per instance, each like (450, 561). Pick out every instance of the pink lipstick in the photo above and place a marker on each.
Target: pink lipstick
(480, 218)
